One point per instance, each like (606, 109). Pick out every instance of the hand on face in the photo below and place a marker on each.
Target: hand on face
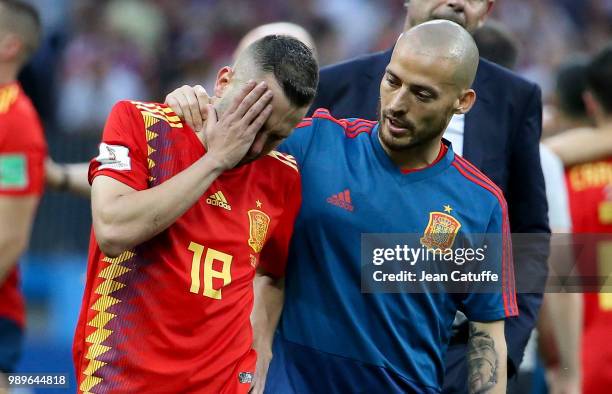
(229, 137)
(189, 103)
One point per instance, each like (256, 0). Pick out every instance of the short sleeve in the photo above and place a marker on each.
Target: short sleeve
(122, 152)
(273, 259)
(22, 161)
(502, 303)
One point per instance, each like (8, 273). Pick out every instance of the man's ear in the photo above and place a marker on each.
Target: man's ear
(224, 77)
(593, 109)
(482, 21)
(465, 102)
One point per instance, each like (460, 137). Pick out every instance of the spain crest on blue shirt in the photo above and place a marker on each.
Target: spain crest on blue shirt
(441, 231)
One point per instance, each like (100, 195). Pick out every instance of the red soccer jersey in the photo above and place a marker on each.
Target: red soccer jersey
(590, 198)
(22, 156)
(172, 315)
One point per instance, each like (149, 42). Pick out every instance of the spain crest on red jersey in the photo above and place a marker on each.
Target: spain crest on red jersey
(258, 228)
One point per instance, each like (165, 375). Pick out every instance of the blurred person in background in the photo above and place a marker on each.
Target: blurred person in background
(284, 28)
(102, 63)
(561, 318)
(572, 134)
(169, 204)
(500, 136)
(22, 156)
(551, 31)
(559, 322)
(567, 110)
(497, 44)
(590, 198)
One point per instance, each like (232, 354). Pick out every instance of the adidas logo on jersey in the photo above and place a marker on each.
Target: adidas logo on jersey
(342, 200)
(218, 200)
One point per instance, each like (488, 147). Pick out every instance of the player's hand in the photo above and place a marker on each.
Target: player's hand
(189, 103)
(261, 372)
(229, 137)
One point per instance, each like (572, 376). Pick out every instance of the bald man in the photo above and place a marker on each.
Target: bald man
(500, 136)
(398, 176)
(281, 28)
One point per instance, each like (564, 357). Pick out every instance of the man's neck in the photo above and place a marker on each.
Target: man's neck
(8, 73)
(416, 157)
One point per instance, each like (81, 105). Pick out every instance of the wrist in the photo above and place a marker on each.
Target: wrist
(263, 348)
(64, 183)
(215, 163)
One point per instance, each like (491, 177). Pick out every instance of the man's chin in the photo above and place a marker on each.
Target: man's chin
(450, 17)
(396, 144)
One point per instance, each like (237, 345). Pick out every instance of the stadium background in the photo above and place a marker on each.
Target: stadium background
(96, 52)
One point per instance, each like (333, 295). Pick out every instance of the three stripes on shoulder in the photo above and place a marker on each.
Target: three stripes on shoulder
(285, 159)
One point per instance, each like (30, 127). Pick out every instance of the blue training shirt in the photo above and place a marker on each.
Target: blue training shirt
(332, 338)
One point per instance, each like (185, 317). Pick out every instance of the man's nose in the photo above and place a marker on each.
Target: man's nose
(400, 104)
(456, 5)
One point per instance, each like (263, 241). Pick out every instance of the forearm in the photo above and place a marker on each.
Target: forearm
(565, 313)
(76, 179)
(580, 145)
(68, 177)
(267, 308)
(12, 248)
(487, 358)
(16, 217)
(133, 218)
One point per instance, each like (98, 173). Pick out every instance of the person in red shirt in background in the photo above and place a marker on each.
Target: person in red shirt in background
(181, 222)
(22, 156)
(590, 198)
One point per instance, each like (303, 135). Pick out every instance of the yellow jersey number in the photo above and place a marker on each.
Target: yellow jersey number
(209, 273)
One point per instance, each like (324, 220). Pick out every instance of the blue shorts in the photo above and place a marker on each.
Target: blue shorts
(11, 337)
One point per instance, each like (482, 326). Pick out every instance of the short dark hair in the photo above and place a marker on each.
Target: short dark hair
(23, 19)
(599, 78)
(293, 65)
(497, 44)
(570, 84)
